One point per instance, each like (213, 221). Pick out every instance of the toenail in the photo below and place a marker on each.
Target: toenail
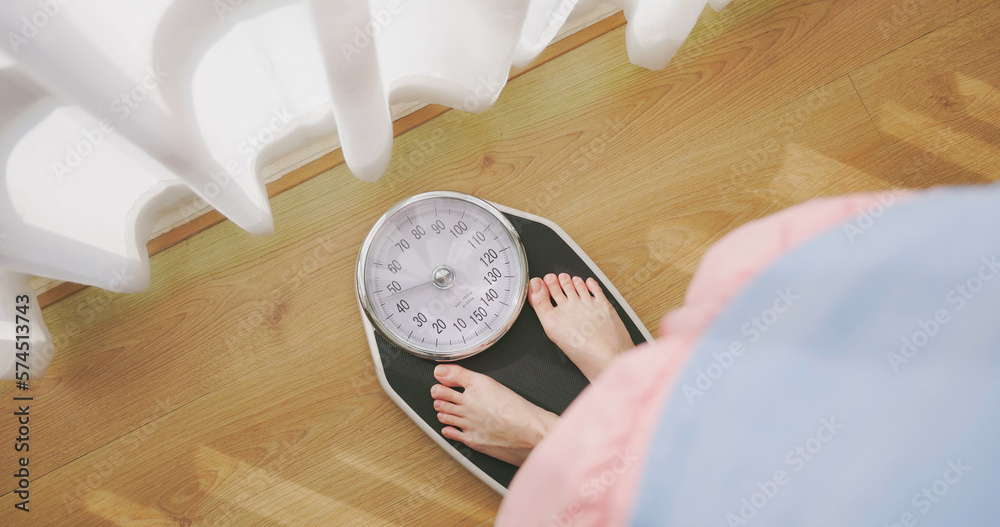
(535, 285)
(441, 370)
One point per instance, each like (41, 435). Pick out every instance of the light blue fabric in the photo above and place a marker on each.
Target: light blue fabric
(848, 404)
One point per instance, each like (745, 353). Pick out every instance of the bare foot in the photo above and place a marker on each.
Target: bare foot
(488, 416)
(583, 323)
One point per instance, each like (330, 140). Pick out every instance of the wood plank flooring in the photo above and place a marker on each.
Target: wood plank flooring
(238, 390)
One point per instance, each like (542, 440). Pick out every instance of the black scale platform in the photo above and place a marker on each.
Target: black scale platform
(524, 360)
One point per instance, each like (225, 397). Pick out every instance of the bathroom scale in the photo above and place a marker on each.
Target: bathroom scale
(443, 277)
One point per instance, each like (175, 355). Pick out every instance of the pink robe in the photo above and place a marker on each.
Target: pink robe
(587, 470)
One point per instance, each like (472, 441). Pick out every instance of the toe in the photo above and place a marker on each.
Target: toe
(581, 288)
(538, 297)
(454, 375)
(450, 419)
(595, 289)
(552, 282)
(445, 393)
(455, 435)
(566, 281)
(448, 408)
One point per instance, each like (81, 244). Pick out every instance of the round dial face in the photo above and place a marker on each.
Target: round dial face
(442, 275)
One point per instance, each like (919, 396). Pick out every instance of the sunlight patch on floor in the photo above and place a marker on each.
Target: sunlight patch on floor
(248, 488)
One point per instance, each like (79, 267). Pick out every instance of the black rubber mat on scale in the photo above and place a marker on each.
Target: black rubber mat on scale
(524, 360)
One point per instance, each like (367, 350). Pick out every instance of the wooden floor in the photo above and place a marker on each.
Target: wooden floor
(239, 388)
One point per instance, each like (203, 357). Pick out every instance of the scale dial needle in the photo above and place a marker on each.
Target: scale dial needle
(411, 288)
(442, 276)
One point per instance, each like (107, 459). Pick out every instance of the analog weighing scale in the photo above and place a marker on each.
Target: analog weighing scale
(442, 277)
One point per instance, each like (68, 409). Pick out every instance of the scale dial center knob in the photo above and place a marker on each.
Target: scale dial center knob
(443, 277)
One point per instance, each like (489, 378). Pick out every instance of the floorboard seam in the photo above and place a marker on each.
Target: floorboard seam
(907, 43)
(865, 106)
